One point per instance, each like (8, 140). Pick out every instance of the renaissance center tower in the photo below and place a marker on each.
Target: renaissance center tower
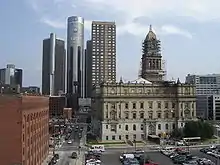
(75, 56)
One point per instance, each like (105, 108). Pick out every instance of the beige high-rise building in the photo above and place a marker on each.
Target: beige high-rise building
(103, 52)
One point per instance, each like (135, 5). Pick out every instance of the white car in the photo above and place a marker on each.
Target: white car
(69, 142)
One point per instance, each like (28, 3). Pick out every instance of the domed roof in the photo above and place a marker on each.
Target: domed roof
(151, 34)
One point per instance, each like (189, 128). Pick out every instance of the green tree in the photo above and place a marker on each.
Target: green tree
(177, 133)
(198, 129)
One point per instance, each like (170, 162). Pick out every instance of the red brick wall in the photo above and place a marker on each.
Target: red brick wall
(10, 129)
(21, 140)
(35, 129)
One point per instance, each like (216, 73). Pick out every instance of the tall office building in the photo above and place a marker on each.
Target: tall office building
(11, 75)
(205, 84)
(207, 87)
(53, 67)
(88, 59)
(103, 52)
(75, 56)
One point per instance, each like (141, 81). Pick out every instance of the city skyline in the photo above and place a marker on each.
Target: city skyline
(191, 44)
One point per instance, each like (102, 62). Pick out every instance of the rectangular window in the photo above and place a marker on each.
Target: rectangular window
(134, 105)
(113, 137)
(141, 115)
(141, 105)
(134, 116)
(126, 105)
(166, 104)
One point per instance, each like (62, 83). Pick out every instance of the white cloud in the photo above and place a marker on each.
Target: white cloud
(200, 10)
(53, 23)
(170, 29)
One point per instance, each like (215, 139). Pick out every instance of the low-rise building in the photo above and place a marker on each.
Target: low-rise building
(56, 106)
(24, 129)
(140, 108)
(67, 113)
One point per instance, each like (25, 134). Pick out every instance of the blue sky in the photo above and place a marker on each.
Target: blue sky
(188, 29)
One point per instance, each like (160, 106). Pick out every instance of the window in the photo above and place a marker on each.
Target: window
(106, 137)
(134, 127)
(159, 105)
(119, 137)
(166, 104)
(173, 105)
(142, 136)
(159, 126)
(141, 105)
(126, 136)
(159, 115)
(173, 126)
(106, 126)
(134, 106)
(150, 115)
(166, 126)
(150, 104)
(113, 127)
(142, 127)
(141, 115)
(126, 127)
(113, 137)
(119, 126)
(113, 105)
(134, 115)
(126, 105)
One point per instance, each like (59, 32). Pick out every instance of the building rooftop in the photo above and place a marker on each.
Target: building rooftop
(141, 81)
(24, 102)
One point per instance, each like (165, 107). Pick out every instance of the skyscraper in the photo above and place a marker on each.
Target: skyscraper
(88, 59)
(11, 75)
(103, 52)
(75, 56)
(152, 63)
(53, 67)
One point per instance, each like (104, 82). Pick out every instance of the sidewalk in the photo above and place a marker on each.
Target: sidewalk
(49, 157)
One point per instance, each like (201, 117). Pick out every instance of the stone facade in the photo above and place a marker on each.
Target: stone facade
(137, 109)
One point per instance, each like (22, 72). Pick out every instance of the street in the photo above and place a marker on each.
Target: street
(77, 137)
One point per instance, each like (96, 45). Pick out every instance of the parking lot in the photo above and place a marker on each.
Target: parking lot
(157, 157)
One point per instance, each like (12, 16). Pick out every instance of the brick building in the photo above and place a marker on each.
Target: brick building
(56, 105)
(24, 129)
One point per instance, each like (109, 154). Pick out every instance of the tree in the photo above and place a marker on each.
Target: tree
(198, 129)
(177, 133)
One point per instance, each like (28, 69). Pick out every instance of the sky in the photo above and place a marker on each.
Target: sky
(189, 31)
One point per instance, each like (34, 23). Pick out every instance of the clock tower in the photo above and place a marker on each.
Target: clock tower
(152, 69)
